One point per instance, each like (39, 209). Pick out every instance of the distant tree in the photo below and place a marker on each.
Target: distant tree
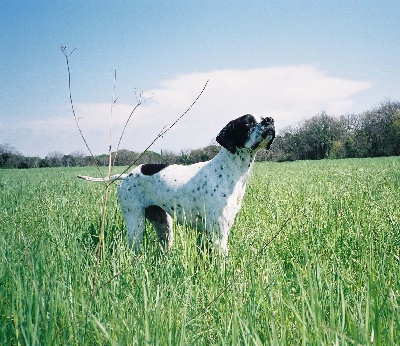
(168, 157)
(124, 157)
(210, 151)
(44, 163)
(395, 133)
(338, 150)
(312, 139)
(10, 158)
(203, 154)
(68, 161)
(317, 136)
(347, 146)
(55, 159)
(33, 162)
(380, 129)
(350, 147)
(6, 152)
(184, 157)
(265, 155)
(149, 157)
(286, 147)
(102, 160)
(78, 158)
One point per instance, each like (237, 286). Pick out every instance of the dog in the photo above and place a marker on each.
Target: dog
(205, 196)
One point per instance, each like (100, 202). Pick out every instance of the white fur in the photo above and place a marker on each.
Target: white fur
(204, 195)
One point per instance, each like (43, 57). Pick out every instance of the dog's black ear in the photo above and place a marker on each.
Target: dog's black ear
(226, 137)
(235, 134)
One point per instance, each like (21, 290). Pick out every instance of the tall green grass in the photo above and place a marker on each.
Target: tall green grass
(330, 277)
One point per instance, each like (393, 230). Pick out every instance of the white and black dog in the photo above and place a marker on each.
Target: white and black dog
(205, 195)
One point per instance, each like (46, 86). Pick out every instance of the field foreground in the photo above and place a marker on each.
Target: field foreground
(330, 276)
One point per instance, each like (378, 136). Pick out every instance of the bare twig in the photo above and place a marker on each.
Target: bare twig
(64, 51)
(140, 101)
(113, 103)
(163, 131)
(106, 193)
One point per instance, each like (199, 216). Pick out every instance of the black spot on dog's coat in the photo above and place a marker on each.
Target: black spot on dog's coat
(152, 168)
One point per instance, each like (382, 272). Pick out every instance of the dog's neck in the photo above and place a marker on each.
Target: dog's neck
(240, 162)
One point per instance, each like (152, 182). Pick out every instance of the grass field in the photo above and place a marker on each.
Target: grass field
(330, 277)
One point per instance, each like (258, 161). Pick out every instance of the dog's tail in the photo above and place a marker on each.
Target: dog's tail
(105, 179)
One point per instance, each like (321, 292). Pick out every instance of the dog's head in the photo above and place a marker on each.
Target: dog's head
(247, 132)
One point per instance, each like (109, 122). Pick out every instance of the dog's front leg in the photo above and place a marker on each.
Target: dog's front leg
(219, 237)
(221, 246)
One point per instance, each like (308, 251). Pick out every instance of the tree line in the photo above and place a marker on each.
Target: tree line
(375, 132)
(10, 158)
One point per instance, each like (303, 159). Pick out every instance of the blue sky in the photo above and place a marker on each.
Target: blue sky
(285, 59)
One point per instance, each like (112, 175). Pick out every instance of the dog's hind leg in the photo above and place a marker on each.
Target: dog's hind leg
(162, 223)
(135, 224)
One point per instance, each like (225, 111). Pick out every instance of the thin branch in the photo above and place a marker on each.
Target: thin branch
(106, 193)
(113, 103)
(163, 131)
(63, 50)
(139, 103)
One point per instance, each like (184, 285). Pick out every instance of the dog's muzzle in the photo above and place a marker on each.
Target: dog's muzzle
(268, 132)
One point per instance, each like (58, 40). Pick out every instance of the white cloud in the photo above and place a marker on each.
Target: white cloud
(287, 93)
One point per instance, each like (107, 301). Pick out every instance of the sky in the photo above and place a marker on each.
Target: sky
(286, 59)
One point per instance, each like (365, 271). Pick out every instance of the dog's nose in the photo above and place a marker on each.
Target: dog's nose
(268, 120)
